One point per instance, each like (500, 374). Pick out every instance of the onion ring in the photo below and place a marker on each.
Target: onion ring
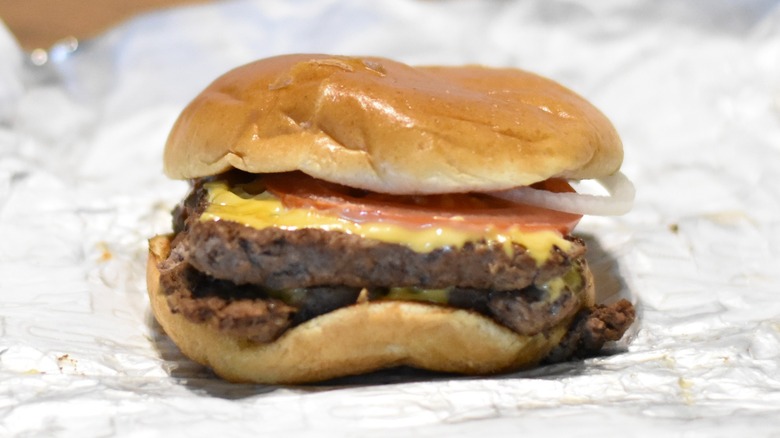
(619, 201)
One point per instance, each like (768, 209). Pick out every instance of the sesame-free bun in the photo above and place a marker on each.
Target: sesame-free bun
(356, 339)
(385, 126)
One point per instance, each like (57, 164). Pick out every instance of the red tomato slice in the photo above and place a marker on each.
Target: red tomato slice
(458, 210)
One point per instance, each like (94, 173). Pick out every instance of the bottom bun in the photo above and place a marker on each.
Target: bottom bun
(356, 339)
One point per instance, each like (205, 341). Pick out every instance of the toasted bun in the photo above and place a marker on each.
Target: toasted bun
(381, 125)
(355, 339)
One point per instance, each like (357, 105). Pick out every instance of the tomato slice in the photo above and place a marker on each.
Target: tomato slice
(458, 210)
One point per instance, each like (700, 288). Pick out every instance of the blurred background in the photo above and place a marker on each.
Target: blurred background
(41, 23)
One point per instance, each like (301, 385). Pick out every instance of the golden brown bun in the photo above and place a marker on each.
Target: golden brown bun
(356, 339)
(384, 126)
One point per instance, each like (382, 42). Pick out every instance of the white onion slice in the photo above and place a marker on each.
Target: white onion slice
(619, 201)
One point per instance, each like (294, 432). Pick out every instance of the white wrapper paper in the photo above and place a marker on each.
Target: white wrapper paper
(693, 88)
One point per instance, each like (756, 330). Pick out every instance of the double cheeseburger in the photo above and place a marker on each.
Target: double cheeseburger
(353, 214)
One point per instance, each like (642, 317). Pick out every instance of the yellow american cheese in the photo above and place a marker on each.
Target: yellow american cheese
(440, 296)
(265, 210)
(570, 281)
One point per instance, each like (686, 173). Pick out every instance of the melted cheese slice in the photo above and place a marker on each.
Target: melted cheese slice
(570, 281)
(265, 210)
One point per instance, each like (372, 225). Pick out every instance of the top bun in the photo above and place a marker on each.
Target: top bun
(384, 126)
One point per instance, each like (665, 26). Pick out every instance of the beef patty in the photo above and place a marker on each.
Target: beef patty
(309, 257)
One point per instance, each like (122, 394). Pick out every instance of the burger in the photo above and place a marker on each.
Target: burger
(350, 214)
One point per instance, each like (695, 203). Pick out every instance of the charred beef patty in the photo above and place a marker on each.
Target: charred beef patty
(310, 257)
(231, 276)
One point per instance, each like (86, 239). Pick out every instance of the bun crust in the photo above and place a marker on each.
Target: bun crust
(384, 126)
(355, 339)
